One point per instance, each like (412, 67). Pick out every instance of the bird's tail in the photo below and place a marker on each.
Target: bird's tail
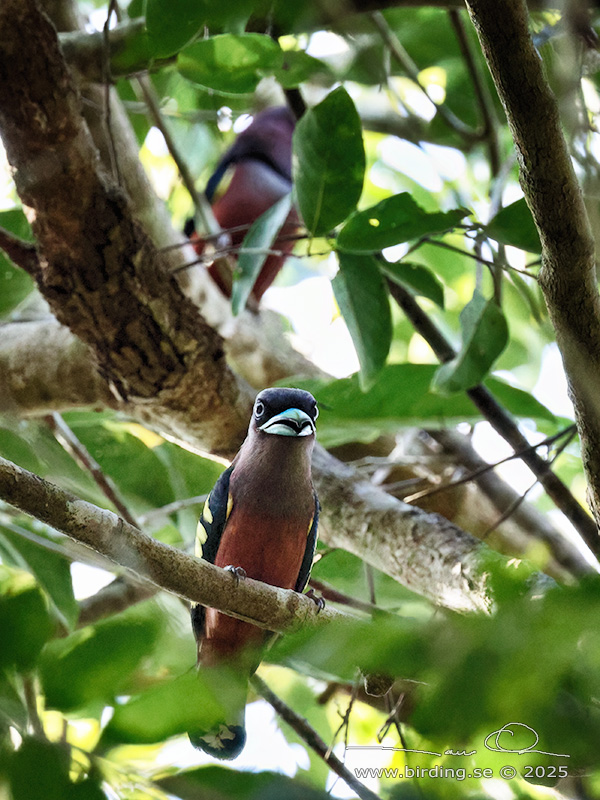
(222, 732)
(225, 740)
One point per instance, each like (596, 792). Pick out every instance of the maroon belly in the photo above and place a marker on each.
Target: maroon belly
(269, 550)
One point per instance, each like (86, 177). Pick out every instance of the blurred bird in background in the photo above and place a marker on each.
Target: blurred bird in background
(259, 168)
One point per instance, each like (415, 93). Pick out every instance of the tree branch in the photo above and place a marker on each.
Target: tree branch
(312, 738)
(530, 521)
(79, 452)
(44, 368)
(188, 577)
(164, 364)
(502, 422)
(568, 276)
(423, 551)
(151, 343)
(22, 253)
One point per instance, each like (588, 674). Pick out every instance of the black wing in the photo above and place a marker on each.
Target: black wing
(208, 536)
(309, 553)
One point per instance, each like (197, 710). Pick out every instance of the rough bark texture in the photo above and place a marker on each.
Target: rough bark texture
(567, 277)
(101, 274)
(423, 551)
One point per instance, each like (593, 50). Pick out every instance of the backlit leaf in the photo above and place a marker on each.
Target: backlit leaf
(361, 294)
(394, 220)
(329, 162)
(485, 334)
(229, 63)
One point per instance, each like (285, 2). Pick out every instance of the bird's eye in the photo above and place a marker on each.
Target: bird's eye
(259, 409)
(316, 410)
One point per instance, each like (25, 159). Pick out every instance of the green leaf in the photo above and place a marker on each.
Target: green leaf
(25, 624)
(415, 277)
(222, 782)
(194, 701)
(134, 52)
(514, 225)
(15, 284)
(51, 569)
(519, 402)
(12, 707)
(39, 769)
(171, 24)
(329, 162)
(394, 220)
(94, 663)
(15, 447)
(260, 237)
(361, 294)
(299, 67)
(402, 397)
(230, 64)
(485, 335)
(141, 477)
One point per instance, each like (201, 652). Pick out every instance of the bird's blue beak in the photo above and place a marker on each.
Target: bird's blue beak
(291, 422)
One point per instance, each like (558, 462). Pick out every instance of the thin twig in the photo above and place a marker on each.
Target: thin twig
(567, 553)
(107, 81)
(204, 217)
(335, 596)
(312, 738)
(480, 88)
(407, 64)
(492, 265)
(201, 204)
(519, 500)
(501, 421)
(171, 508)
(32, 710)
(84, 458)
(345, 723)
(370, 576)
(570, 431)
(393, 709)
(23, 254)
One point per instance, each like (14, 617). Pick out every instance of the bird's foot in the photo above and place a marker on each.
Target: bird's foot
(237, 572)
(317, 599)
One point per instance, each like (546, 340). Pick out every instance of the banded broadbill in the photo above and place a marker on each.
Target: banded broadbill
(260, 520)
(259, 165)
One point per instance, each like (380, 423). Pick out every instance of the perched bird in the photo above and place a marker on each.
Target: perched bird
(260, 521)
(260, 165)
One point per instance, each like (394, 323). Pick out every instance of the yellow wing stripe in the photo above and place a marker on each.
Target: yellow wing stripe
(206, 512)
(201, 537)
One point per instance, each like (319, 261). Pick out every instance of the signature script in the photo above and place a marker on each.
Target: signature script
(497, 741)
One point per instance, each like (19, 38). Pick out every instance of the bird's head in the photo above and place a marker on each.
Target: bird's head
(284, 412)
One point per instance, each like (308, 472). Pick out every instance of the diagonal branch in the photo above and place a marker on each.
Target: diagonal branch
(568, 276)
(167, 568)
(22, 253)
(501, 421)
(312, 738)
